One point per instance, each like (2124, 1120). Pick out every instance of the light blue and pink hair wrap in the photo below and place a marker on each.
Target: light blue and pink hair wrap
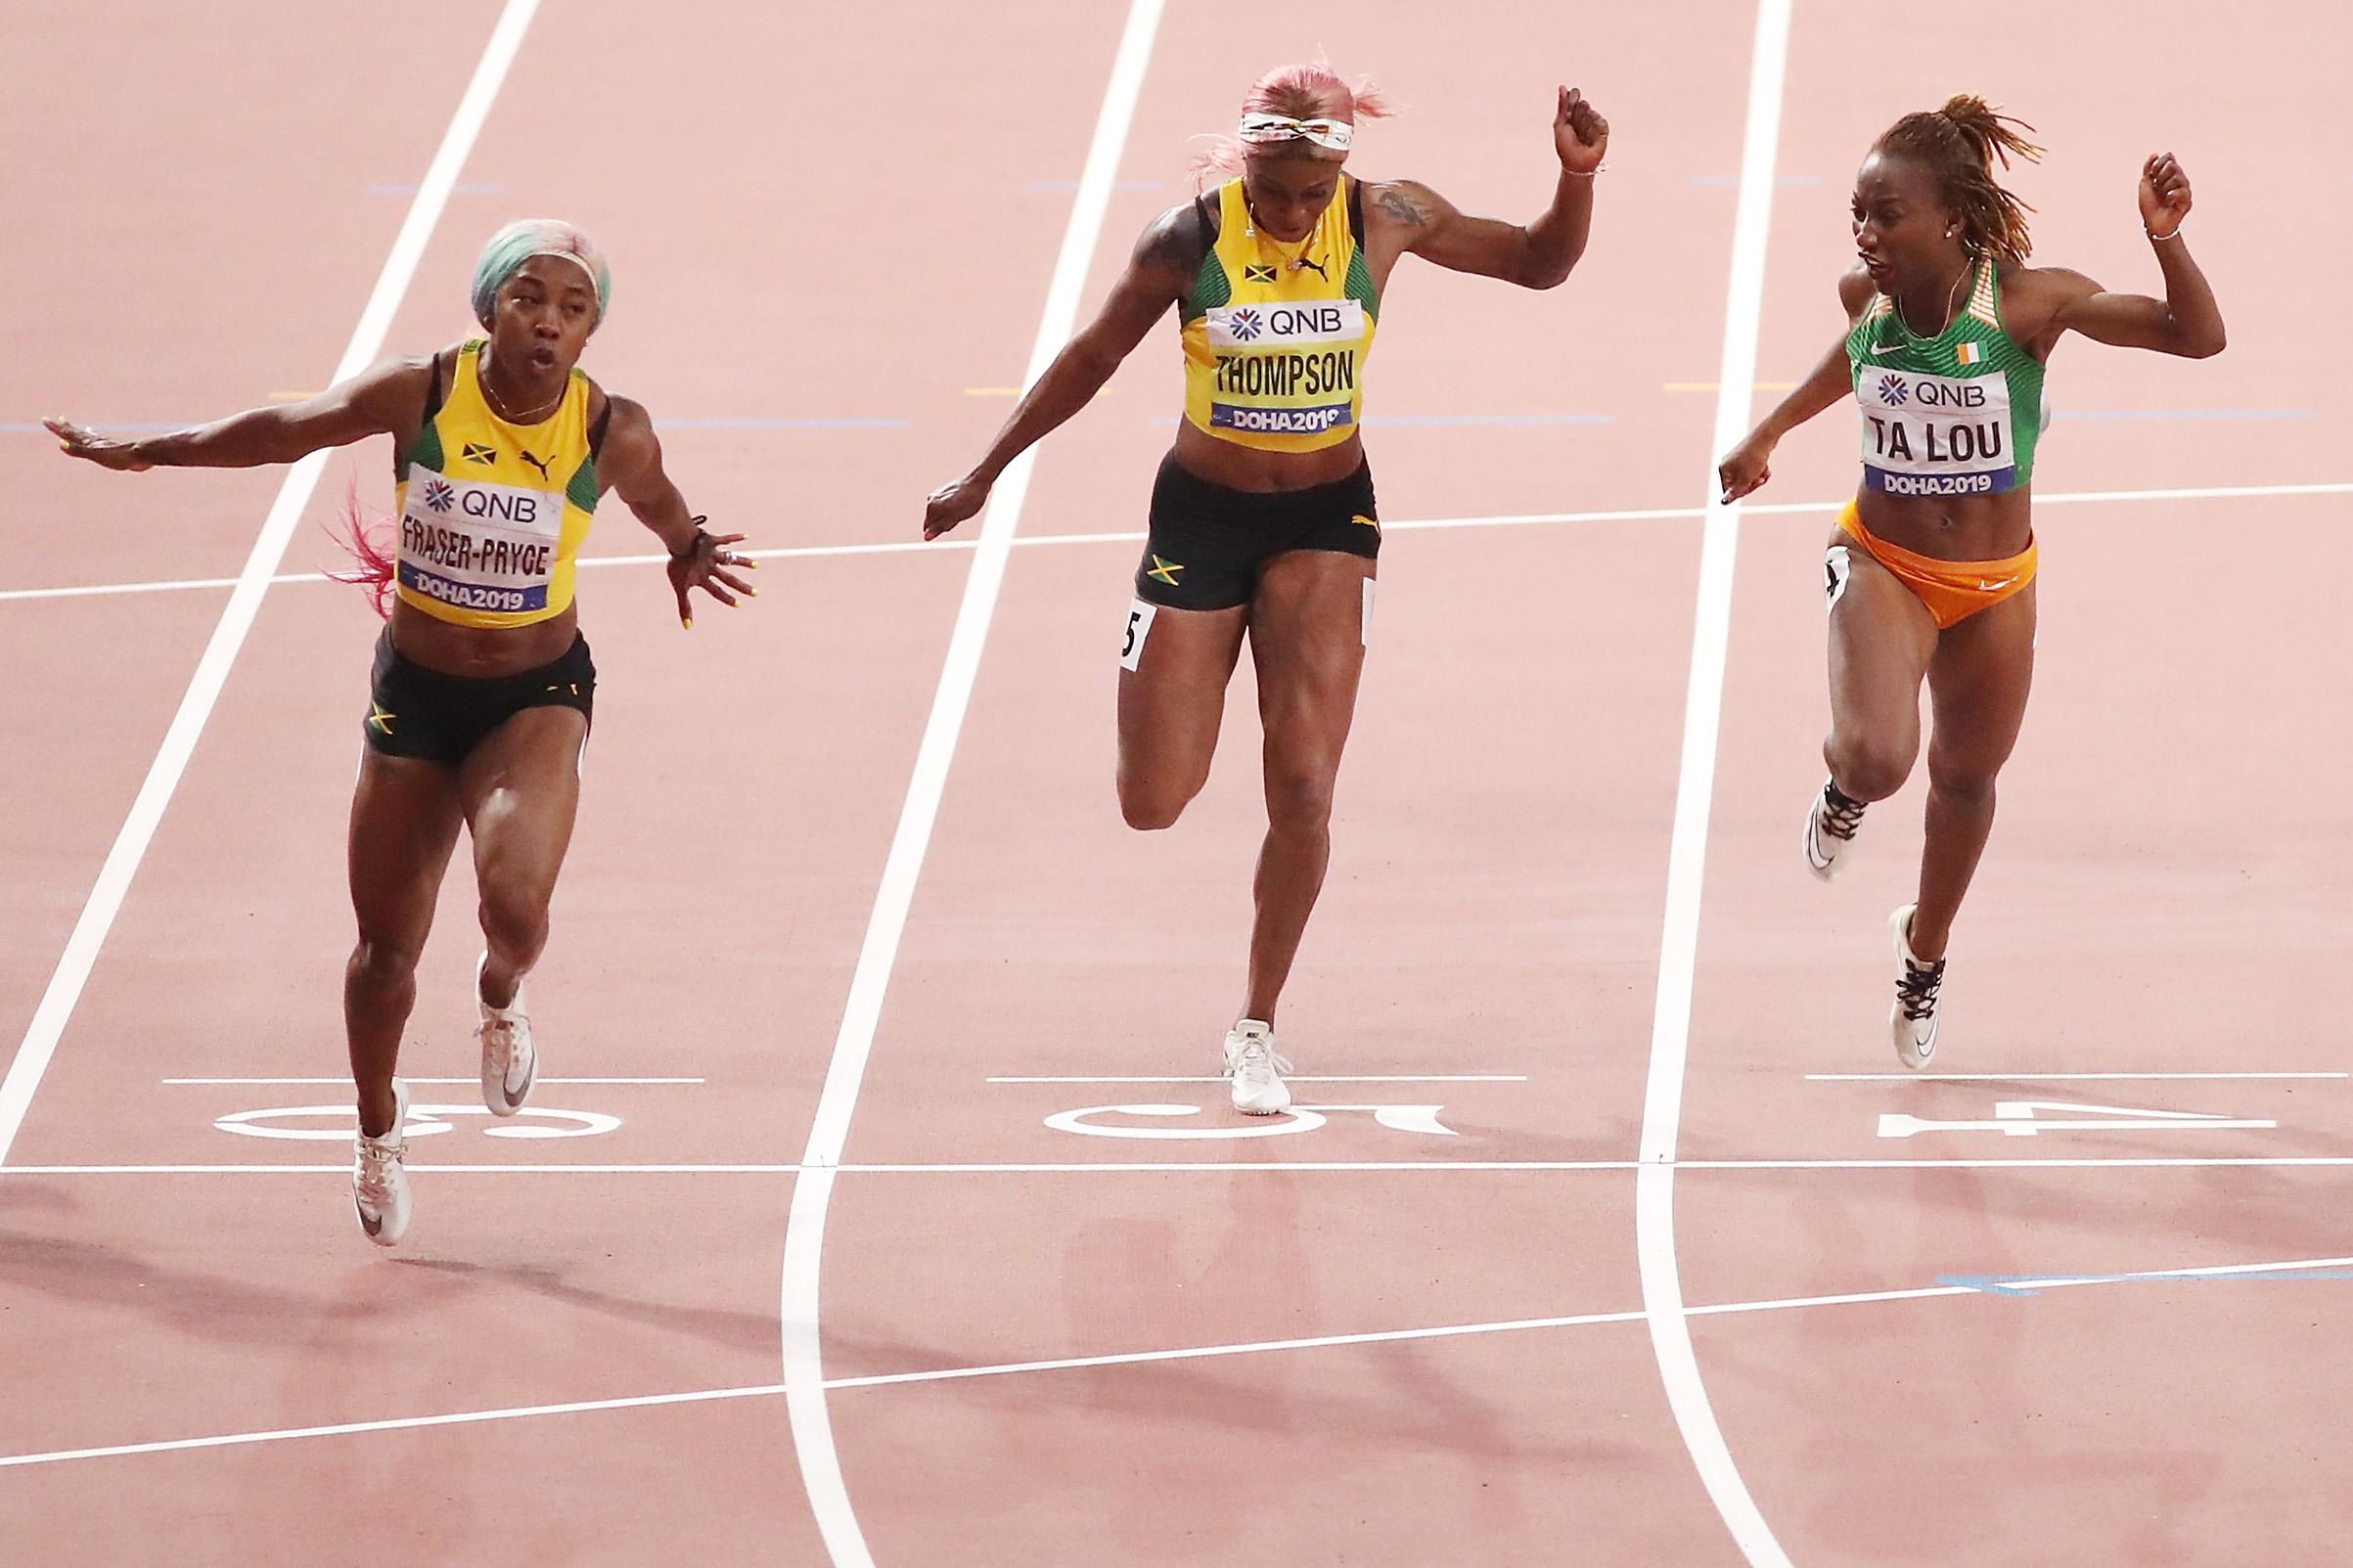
(518, 241)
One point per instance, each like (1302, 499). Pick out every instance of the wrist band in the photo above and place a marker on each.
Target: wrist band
(694, 545)
(2160, 239)
(1587, 175)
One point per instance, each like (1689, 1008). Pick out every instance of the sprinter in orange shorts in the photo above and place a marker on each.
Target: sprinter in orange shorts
(1930, 572)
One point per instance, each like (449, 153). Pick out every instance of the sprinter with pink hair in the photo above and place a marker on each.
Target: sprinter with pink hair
(1263, 520)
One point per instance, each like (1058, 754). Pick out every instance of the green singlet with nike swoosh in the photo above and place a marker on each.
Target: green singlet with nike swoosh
(1953, 414)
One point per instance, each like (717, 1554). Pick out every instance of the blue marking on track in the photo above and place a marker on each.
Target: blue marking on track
(2028, 1285)
(746, 423)
(1165, 421)
(2184, 414)
(763, 423)
(1117, 185)
(102, 427)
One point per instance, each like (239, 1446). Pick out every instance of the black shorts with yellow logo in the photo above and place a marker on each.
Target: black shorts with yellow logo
(1208, 543)
(417, 712)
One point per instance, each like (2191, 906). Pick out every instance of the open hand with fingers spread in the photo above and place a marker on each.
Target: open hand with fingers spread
(709, 563)
(1580, 135)
(2164, 196)
(75, 441)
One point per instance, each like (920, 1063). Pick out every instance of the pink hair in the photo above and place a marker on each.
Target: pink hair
(1304, 92)
(368, 541)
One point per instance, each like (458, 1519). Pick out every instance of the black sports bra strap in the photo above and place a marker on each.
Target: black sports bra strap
(1356, 212)
(433, 394)
(1206, 221)
(596, 432)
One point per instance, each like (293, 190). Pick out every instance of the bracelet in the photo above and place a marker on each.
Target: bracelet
(1587, 175)
(695, 545)
(2160, 239)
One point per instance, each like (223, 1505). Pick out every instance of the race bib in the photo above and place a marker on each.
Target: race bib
(1139, 628)
(1284, 369)
(477, 546)
(1936, 435)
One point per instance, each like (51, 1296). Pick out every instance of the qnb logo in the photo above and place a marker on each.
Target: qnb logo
(439, 495)
(1893, 391)
(1245, 325)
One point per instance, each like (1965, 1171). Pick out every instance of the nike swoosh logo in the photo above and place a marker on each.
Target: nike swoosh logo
(2004, 583)
(373, 1227)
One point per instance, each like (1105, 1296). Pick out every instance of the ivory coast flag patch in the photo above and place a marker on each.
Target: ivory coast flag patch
(1973, 353)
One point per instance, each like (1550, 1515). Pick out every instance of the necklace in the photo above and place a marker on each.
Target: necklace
(537, 416)
(1952, 299)
(1249, 231)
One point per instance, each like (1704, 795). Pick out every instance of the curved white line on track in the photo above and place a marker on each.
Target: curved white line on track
(804, 1226)
(122, 863)
(1687, 852)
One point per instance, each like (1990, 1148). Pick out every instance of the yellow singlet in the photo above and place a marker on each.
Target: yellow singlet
(493, 514)
(1275, 335)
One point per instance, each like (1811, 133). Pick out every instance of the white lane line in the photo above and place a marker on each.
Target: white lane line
(1148, 1358)
(1686, 848)
(2150, 1162)
(1301, 1078)
(903, 547)
(2037, 1077)
(405, 1423)
(98, 913)
(291, 1081)
(804, 1225)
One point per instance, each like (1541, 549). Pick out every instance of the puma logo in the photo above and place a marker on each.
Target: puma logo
(541, 466)
(1309, 261)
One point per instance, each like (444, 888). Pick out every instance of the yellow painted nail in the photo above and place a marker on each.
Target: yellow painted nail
(688, 624)
(754, 591)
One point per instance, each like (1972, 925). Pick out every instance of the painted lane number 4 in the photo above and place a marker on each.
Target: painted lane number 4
(2025, 1118)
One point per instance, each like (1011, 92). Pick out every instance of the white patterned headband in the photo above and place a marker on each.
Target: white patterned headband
(1335, 134)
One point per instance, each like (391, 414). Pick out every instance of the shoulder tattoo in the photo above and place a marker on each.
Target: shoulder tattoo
(1393, 200)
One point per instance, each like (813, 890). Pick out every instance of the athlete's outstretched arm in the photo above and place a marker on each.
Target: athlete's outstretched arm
(387, 399)
(1534, 255)
(1158, 276)
(1749, 464)
(2186, 322)
(631, 464)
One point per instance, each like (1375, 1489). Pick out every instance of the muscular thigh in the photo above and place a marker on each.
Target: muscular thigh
(1881, 638)
(1173, 671)
(405, 816)
(521, 789)
(1308, 642)
(1978, 684)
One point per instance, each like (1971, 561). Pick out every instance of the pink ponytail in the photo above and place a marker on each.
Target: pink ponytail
(369, 542)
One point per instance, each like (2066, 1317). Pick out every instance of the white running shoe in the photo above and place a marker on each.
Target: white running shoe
(1913, 1019)
(1257, 1072)
(379, 1182)
(1831, 825)
(510, 1064)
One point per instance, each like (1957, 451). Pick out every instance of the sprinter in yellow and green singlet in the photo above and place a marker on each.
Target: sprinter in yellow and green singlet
(1930, 571)
(478, 713)
(1262, 520)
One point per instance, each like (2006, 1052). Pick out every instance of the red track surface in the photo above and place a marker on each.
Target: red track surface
(828, 216)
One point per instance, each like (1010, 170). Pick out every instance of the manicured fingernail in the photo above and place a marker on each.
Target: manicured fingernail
(688, 624)
(754, 591)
